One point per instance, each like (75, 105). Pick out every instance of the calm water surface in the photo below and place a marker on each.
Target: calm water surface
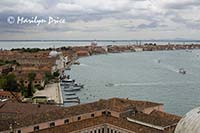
(140, 76)
(134, 75)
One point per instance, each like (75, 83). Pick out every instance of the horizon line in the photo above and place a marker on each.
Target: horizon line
(112, 40)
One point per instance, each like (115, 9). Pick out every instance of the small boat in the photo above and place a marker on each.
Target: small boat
(78, 85)
(159, 61)
(72, 90)
(109, 85)
(182, 71)
(71, 87)
(77, 63)
(71, 101)
(71, 98)
(68, 80)
(70, 94)
(68, 68)
(66, 84)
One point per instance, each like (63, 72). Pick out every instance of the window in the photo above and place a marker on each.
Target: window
(108, 113)
(92, 115)
(108, 131)
(18, 131)
(102, 130)
(104, 112)
(79, 118)
(66, 121)
(111, 130)
(52, 124)
(36, 128)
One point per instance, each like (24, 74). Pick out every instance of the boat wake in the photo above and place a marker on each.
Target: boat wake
(150, 83)
(85, 65)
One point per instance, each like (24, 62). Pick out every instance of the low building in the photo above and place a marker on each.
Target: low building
(10, 95)
(82, 53)
(5, 69)
(104, 116)
(23, 77)
(138, 49)
(40, 99)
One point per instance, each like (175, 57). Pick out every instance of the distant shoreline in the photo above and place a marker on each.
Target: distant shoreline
(46, 44)
(107, 40)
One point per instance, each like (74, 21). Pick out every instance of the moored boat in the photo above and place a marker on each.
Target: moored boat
(182, 71)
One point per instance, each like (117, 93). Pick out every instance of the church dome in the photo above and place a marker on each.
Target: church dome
(53, 54)
(190, 123)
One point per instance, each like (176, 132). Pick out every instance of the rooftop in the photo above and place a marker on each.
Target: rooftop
(31, 114)
(157, 118)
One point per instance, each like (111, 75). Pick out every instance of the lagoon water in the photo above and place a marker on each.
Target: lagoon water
(141, 76)
(137, 75)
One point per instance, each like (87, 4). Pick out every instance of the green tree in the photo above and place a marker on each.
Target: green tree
(48, 77)
(11, 83)
(23, 89)
(2, 82)
(31, 77)
(56, 74)
(30, 90)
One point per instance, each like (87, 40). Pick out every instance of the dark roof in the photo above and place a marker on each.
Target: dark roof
(30, 114)
(119, 122)
(120, 104)
(157, 118)
(25, 108)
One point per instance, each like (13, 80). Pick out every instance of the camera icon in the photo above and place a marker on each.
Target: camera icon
(11, 20)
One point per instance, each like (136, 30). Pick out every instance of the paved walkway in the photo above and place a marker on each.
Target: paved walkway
(52, 91)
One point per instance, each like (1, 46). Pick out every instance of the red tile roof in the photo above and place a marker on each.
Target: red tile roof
(30, 114)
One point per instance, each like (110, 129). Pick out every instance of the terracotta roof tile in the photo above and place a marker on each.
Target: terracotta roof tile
(156, 118)
(30, 114)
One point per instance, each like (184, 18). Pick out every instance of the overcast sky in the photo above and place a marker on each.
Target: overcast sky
(103, 19)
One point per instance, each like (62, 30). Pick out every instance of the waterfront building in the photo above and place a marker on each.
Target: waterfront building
(138, 49)
(104, 116)
(82, 53)
(54, 54)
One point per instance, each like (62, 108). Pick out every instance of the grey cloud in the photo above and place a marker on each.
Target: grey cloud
(183, 5)
(150, 25)
(153, 16)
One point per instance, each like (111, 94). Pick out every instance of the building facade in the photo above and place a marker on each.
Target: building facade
(104, 116)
